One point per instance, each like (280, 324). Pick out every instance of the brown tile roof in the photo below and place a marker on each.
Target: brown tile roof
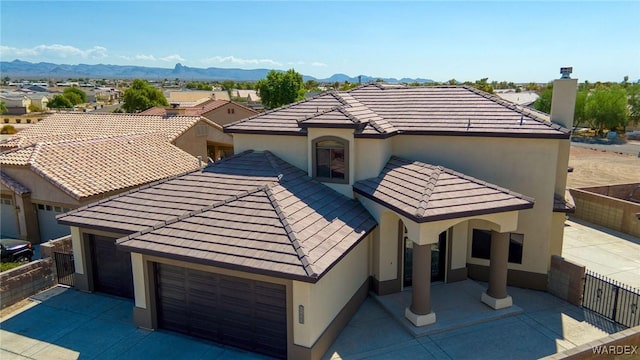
(90, 167)
(12, 184)
(252, 212)
(75, 126)
(382, 111)
(424, 192)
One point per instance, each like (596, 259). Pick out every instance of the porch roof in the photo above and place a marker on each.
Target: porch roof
(424, 192)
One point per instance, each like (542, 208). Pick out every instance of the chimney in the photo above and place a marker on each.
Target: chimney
(174, 110)
(563, 101)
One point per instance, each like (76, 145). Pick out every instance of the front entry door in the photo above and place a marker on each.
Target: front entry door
(438, 258)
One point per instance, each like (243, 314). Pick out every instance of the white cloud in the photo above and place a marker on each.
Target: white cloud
(173, 58)
(54, 50)
(318, 64)
(240, 61)
(145, 57)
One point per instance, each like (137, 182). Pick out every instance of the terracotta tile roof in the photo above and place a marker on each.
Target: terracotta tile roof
(381, 110)
(252, 212)
(75, 126)
(12, 184)
(90, 167)
(425, 192)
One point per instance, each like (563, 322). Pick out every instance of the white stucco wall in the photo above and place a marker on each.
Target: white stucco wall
(292, 149)
(370, 157)
(323, 300)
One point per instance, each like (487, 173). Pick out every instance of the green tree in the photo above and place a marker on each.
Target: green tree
(606, 108)
(633, 98)
(142, 96)
(60, 102)
(75, 95)
(483, 85)
(579, 118)
(543, 103)
(198, 85)
(311, 85)
(280, 88)
(3, 107)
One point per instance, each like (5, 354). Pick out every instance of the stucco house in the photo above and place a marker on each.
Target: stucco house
(70, 159)
(221, 112)
(382, 188)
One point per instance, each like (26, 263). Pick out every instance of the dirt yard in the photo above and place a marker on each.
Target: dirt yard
(597, 167)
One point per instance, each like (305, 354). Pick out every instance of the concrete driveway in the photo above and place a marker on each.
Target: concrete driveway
(67, 324)
(64, 323)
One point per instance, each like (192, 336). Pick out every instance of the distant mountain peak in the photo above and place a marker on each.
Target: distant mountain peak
(27, 70)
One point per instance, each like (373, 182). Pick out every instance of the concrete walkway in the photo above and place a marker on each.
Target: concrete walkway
(64, 323)
(604, 251)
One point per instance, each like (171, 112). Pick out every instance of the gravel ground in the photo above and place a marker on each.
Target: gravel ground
(593, 167)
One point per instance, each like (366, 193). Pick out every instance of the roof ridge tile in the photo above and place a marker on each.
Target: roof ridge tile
(302, 256)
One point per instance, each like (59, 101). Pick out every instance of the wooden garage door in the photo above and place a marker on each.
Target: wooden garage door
(111, 268)
(247, 314)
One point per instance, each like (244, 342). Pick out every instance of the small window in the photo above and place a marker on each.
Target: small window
(18, 121)
(6, 121)
(57, 209)
(48, 207)
(481, 246)
(40, 207)
(330, 160)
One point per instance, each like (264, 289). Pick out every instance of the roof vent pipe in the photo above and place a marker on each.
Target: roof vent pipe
(200, 162)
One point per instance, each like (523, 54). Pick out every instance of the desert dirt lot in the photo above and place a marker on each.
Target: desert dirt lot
(600, 167)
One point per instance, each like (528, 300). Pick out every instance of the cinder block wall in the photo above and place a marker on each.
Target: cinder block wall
(21, 282)
(607, 211)
(566, 280)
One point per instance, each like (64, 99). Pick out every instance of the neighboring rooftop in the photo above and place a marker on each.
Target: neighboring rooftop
(75, 126)
(196, 110)
(252, 211)
(85, 168)
(424, 192)
(380, 110)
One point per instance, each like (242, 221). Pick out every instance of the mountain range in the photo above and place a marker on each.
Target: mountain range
(26, 70)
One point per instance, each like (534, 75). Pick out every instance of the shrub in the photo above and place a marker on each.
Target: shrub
(8, 130)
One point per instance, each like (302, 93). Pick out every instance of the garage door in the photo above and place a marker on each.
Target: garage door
(9, 227)
(47, 223)
(247, 314)
(111, 268)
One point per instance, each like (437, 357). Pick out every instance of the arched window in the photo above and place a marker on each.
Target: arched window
(330, 160)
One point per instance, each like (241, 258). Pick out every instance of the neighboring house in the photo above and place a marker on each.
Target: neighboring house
(250, 96)
(41, 101)
(380, 188)
(16, 104)
(46, 179)
(193, 134)
(187, 135)
(221, 112)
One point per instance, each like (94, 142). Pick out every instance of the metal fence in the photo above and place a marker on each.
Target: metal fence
(64, 268)
(611, 299)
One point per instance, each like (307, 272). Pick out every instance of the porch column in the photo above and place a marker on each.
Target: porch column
(496, 295)
(419, 313)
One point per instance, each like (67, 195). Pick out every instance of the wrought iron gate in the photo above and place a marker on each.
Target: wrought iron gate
(611, 299)
(64, 268)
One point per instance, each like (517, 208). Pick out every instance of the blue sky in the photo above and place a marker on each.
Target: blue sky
(512, 41)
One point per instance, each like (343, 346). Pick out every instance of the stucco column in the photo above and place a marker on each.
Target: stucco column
(496, 295)
(419, 313)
